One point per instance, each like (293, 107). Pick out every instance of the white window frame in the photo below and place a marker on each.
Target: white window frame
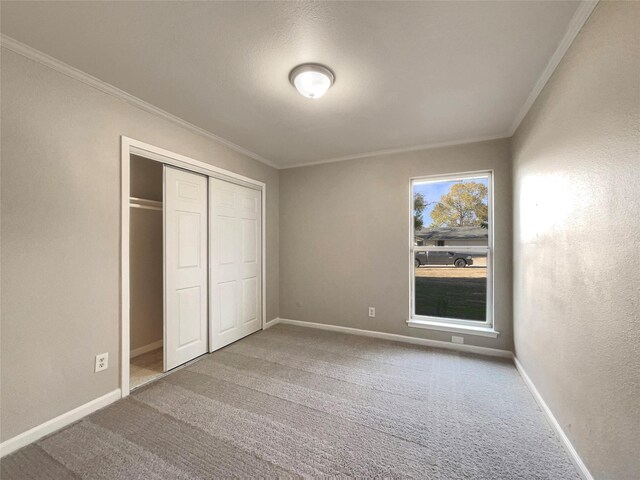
(455, 325)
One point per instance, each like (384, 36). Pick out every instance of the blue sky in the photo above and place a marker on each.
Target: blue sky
(433, 191)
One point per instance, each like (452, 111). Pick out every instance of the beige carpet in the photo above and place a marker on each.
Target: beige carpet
(297, 402)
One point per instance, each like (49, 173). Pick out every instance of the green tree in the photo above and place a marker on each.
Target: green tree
(419, 204)
(464, 205)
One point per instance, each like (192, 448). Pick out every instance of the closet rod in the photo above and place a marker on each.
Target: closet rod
(145, 207)
(145, 203)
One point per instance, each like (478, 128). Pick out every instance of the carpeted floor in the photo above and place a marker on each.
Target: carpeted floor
(292, 401)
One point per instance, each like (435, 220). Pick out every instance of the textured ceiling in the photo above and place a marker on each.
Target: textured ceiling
(407, 74)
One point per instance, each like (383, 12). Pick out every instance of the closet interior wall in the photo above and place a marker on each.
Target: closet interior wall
(146, 254)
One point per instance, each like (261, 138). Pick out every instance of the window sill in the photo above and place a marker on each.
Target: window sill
(450, 327)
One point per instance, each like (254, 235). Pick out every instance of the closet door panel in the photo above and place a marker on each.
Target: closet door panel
(249, 300)
(235, 263)
(228, 301)
(185, 271)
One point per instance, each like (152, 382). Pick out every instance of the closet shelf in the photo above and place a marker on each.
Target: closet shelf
(145, 203)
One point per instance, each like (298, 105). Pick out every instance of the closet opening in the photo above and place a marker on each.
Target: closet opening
(192, 264)
(146, 290)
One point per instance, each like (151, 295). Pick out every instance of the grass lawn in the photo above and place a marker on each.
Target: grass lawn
(464, 298)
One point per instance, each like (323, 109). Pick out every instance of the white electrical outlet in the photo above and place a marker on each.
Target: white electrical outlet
(102, 362)
(455, 339)
(372, 311)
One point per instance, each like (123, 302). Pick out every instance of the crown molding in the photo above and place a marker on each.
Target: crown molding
(580, 17)
(72, 72)
(578, 20)
(391, 151)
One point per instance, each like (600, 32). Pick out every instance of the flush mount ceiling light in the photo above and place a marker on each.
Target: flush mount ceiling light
(311, 80)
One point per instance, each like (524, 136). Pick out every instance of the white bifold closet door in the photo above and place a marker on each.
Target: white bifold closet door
(236, 262)
(185, 266)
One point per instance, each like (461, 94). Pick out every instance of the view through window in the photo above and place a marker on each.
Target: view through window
(451, 248)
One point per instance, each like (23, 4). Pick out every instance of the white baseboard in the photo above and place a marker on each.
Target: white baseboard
(36, 433)
(271, 323)
(493, 352)
(145, 349)
(573, 454)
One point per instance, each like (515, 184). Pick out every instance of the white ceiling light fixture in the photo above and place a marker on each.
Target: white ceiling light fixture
(311, 79)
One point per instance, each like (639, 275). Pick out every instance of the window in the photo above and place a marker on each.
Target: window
(451, 252)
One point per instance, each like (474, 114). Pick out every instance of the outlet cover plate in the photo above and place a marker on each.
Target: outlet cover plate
(102, 362)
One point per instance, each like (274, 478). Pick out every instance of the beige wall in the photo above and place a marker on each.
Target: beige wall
(344, 237)
(61, 233)
(576, 242)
